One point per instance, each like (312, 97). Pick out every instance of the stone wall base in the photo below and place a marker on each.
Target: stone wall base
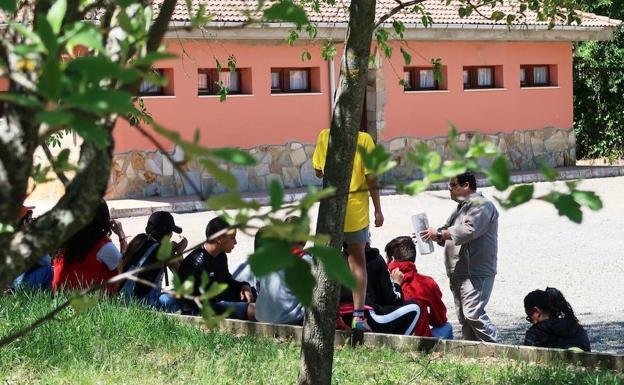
(139, 174)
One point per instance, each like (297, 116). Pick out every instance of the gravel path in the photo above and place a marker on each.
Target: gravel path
(537, 248)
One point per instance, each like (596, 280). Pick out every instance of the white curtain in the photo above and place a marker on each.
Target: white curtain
(149, 88)
(522, 75)
(275, 81)
(298, 80)
(484, 77)
(540, 75)
(230, 80)
(407, 78)
(466, 78)
(426, 79)
(202, 81)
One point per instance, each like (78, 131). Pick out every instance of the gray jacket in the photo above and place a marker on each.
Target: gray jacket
(276, 303)
(474, 232)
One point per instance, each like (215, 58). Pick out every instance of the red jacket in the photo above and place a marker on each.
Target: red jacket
(426, 293)
(82, 274)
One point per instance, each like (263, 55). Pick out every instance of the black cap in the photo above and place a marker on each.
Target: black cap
(161, 222)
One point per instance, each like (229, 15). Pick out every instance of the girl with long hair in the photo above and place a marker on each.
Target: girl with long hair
(554, 324)
(89, 257)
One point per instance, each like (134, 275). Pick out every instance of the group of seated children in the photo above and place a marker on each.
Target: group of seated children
(399, 299)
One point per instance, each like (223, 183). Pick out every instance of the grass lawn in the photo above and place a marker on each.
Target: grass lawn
(115, 344)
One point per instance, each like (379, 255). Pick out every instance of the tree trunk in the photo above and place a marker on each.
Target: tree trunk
(317, 348)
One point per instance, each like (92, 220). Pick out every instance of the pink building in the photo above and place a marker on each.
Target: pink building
(514, 86)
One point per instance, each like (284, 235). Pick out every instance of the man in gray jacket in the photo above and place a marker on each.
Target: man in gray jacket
(470, 245)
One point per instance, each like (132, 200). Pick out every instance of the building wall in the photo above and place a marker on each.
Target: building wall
(428, 113)
(529, 125)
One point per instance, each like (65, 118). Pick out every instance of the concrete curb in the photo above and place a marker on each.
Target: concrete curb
(293, 195)
(468, 349)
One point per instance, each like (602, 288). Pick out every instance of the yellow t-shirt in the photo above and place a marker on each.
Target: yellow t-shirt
(356, 217)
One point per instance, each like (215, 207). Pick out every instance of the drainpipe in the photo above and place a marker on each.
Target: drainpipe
(332, 86)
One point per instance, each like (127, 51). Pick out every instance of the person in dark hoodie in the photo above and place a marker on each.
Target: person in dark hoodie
(385, 310)
(554, 322)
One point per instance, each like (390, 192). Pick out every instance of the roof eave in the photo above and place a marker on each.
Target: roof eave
(437, 31)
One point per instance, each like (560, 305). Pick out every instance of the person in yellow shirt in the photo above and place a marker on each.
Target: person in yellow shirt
(356, 232)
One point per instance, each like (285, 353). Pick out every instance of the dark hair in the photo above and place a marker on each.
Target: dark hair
(77, 247)
(469, 177)
(215, 225)
(258, 238)
(550, 301)
(401, 249)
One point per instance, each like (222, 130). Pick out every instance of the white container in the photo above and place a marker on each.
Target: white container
(420, 223)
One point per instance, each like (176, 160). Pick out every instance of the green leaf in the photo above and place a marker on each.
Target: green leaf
(22, 100)
(519, 195)
(277, 195)
(231, 200)
(415, 187)
(214, 290)
(587, 198)
(433, 161)
(550, 174)
(234, 156)
(499, 174)
(300, 280)
(83, 34)
(49, 83)
(224, 177)
(48, 37)
(378, 161)
(8, 5)
(28, 33)
(82, 303)
(314, 195)
(306, 55)
(101, 101)
(62, 161)
(406, 56)
(452, 168)
(56, 14)
(90, 131)
(287, 11)
(399, 28)
(92, 68)
(272, 255)
(55, 118)
(165, 249)
(568, 207)
(6, 228)
(335, 264)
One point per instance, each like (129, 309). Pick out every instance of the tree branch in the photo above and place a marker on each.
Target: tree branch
(159, 27)
(396, 10)
(59, 173)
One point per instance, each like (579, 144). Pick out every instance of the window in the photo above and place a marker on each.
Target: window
(482, 77)
(210, 81)
(421, 79)
(535, 76)
(294, 80)
(163, 86)
(146, 88)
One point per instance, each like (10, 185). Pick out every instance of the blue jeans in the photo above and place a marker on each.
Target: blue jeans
(161, 301)
(444, 332)
(239, 309)
(37, 278)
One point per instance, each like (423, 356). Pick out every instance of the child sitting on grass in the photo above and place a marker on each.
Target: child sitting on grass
(554, 322)
(423, 290)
